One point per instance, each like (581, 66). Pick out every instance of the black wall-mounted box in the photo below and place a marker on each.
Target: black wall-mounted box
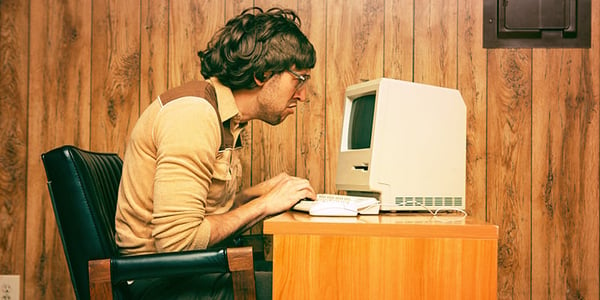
(536, 23)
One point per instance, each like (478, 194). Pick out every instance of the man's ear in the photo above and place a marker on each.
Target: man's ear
(259, 82)
(260, 79)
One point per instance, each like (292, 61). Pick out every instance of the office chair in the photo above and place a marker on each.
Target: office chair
(83, 187)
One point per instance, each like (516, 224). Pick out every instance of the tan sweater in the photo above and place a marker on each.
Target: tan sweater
(174, 174)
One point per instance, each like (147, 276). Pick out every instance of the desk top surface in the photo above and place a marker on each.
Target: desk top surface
(422, 225)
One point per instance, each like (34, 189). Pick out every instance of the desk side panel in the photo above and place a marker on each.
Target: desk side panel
(342, 267)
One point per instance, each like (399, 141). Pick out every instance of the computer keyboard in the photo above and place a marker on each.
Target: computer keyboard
(339, 205)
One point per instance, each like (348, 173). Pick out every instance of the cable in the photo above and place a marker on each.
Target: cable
(435, 213)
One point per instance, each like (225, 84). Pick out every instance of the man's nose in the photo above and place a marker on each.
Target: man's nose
(300, 94)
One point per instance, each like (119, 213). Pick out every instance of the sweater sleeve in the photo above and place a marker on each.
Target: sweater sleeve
(187, 137)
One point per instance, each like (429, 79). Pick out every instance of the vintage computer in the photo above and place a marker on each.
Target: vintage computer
(403, 143)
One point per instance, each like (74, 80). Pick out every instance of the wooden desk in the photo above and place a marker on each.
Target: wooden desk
(388, 256)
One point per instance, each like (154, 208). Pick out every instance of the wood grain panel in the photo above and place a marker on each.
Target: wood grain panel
(354, 53)
(191, 25)
(14, 26)
(154, 50)
(509, 167)
(116, 77)
(274, 147)
(398, 39)
(234, 8)
(565, 174)
(59, 113)
(471, 60)
(311, 129)
(435, 43)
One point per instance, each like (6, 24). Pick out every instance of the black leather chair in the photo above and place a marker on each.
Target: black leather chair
(83, 187)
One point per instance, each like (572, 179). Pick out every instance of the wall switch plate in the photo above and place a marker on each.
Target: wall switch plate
(9, 287)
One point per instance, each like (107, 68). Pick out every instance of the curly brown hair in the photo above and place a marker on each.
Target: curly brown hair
(257, 44)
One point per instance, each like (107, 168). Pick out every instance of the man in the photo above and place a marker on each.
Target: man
(181, 168)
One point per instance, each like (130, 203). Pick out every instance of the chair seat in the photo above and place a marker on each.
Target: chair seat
(83, 187)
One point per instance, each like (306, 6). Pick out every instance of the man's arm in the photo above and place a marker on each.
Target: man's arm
(276, 195)
(187, 135)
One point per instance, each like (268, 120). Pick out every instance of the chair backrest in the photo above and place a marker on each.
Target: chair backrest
(83, 186)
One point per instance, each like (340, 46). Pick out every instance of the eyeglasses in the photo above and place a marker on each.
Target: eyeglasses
(302, 79)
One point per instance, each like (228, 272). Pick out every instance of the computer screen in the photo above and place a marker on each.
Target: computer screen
(361, 122)
(405, 144)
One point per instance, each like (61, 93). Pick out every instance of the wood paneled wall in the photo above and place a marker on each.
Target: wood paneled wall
(80, 72)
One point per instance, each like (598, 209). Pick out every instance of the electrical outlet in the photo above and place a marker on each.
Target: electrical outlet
(9, 287)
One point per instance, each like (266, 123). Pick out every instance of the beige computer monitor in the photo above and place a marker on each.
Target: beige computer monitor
(405, 144)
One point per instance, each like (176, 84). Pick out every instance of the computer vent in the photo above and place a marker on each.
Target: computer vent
(430, 201)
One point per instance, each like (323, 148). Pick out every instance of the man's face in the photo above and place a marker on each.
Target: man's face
(280, 94)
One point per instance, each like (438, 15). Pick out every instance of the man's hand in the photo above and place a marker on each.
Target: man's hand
(267, 185)
(286, 192)
(260, 189)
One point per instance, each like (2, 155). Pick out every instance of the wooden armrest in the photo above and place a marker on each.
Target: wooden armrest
(241, 264)
(100, 283)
